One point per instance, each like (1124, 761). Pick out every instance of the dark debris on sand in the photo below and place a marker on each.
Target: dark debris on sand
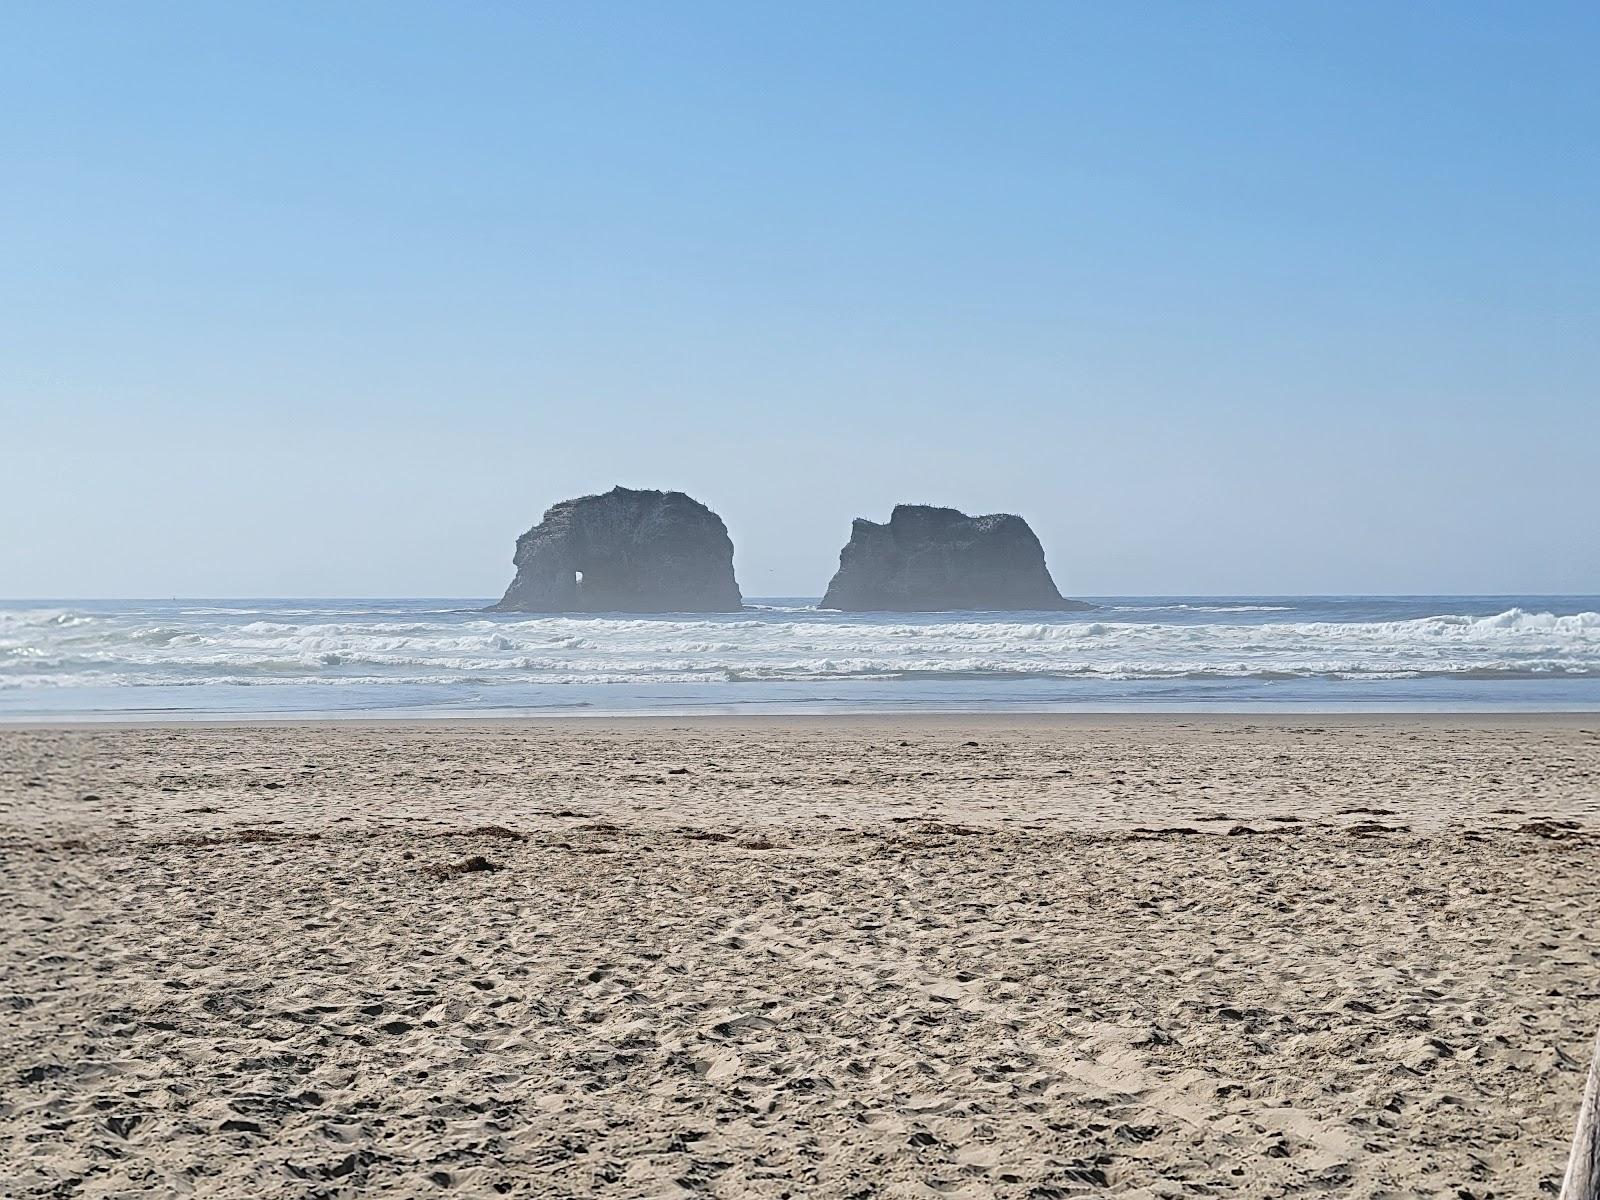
(491, 831)
(245, 837)
(466, 866)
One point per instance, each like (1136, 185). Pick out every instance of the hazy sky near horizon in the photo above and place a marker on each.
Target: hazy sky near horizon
(308, 299)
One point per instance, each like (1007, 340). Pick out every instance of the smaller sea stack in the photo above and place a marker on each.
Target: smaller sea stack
(929, 559)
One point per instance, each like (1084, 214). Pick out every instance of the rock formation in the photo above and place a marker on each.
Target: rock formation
(937, 559)
(625, 551)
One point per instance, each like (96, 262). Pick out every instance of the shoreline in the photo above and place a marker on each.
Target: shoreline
(1487, 718)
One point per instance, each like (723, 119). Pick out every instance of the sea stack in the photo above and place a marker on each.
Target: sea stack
(625, 551)
(929, 559)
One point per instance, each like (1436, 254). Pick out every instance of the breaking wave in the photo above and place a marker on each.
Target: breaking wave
(264, 644)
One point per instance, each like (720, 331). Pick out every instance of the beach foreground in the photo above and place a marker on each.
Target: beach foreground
(890, 956)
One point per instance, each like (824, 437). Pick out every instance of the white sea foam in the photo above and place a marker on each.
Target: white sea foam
(53, 647)
(1210, 608)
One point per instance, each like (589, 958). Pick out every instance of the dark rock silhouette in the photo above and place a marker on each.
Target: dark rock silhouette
(625, 551)
(930, 559)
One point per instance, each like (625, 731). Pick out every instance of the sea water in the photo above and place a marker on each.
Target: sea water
(85, 660)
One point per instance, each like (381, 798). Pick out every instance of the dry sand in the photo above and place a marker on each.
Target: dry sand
(873, 957)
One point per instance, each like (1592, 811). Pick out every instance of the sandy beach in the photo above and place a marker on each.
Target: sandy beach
(890, 956)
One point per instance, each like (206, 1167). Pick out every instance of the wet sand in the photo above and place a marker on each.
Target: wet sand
(891, 956)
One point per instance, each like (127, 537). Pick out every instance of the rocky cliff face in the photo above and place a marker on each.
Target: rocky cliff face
(625, 551)
(937, 559)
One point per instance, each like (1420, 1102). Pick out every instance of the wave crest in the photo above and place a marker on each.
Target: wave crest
(50, 647)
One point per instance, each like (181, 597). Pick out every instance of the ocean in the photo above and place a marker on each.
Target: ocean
(193, 659)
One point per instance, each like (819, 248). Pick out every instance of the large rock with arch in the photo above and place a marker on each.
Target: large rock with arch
(625, 551)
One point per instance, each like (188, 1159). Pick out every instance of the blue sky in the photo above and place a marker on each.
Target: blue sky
(309, 299)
